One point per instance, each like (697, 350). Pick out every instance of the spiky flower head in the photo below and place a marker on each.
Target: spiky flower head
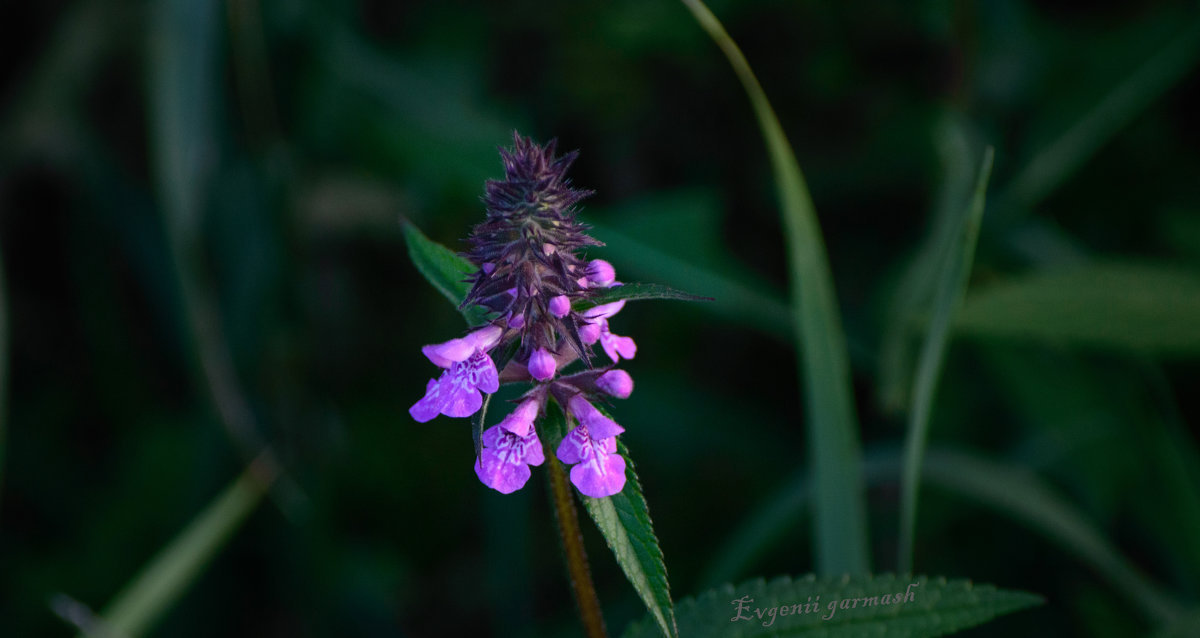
(540, 292)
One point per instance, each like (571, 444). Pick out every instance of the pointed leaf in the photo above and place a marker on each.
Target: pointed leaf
(635, 292)
(785, 607)
(444, 269)
(624, 521)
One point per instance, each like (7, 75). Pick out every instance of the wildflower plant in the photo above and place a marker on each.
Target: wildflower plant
(542, 312)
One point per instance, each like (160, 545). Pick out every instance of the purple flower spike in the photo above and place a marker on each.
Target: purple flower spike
(504, 461)
(560, 306)
(456, 392)
(600, 274)
(600, 426)
(542, 365)
(599, 471)
(616, 383)
(519, 421)
(615, 346)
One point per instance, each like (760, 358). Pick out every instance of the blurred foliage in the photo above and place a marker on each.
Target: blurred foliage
(200, 211)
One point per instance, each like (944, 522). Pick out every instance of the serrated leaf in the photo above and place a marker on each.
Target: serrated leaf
(635, 292)
(624, 521)
(926, 607)
(444, 269)
(1141, 308)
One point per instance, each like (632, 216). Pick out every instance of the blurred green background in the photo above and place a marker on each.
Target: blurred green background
(199, 223)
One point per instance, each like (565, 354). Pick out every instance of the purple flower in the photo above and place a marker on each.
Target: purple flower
(616, 383)
(519, 421)
(600, 426)
(601, 274)
(599, 471)
(468, 370)
(504, 461)
(542, 364)
(615, 346)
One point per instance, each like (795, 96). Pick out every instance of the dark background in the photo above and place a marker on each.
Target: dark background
(314, 126)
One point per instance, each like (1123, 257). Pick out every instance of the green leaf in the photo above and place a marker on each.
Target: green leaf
(814, 607)
(951, 286)
(163, 581)
(636, 292)
(834, 454)
(624, 521)
(1140, 308)
(909, 300)
(444, 269)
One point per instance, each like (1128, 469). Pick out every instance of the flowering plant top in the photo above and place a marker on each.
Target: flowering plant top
(547, 308)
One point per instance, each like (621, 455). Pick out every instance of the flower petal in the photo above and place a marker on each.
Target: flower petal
(589, 333)
(602, 475)
(574, 447)
(482, 373)
(431, 404)
(500, 475)
(597, 425)
(484, 338)
(604, 311)
(616, 346)
(450, 352)
(520, 419)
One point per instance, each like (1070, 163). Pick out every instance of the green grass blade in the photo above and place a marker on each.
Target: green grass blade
(3, 369)
(1141, 308)
(160, 584)
(1022, 496)
(1054, 164)
(1008, 490)
(951, 287)
(908, 302)
(834, 454)
(926, 607)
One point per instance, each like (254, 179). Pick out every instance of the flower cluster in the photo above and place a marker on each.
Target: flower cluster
(541, 294)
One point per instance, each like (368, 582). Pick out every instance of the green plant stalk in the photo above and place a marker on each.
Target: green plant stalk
(950, 290)
(168, 574)
(573, 551)
(834, 452)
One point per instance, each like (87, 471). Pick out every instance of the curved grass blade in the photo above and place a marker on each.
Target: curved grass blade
(834, 454)
(951, 287)
(885, 606)
(1007, 490)
(444, 269)
(909, 301)
(624, 521)
(160, 584)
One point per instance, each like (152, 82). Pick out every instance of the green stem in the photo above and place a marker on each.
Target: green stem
(573, 552)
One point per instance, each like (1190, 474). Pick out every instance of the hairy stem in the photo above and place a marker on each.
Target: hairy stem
(573, 552)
